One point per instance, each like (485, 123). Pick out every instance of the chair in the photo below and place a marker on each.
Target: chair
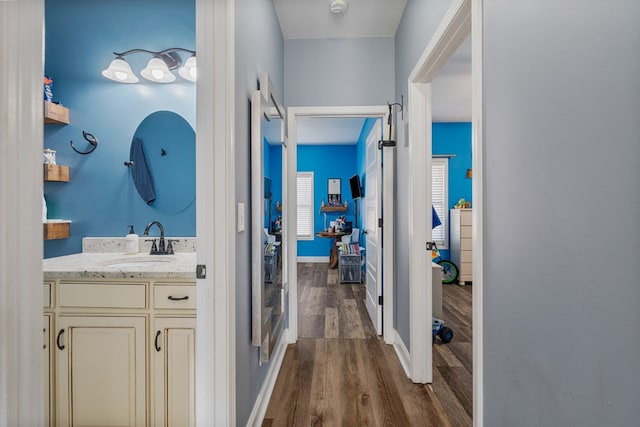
(354, 237)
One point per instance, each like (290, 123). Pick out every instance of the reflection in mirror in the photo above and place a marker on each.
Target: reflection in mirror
(267, 130)
(163, 151)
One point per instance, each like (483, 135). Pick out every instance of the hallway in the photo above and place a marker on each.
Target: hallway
(340, 374)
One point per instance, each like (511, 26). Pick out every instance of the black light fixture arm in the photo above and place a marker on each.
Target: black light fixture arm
(160, 53)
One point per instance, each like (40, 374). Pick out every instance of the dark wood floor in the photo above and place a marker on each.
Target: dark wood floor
(340, 373)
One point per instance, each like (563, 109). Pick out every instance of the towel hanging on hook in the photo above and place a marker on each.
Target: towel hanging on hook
(90, 139)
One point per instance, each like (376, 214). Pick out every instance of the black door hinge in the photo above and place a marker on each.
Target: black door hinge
(379, 222)
(431, 246)
(380, 300)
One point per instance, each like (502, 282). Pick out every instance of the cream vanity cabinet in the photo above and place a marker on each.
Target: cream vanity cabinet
(111, 366)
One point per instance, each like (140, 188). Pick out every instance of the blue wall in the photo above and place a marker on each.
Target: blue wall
(326, 161)
(455, 138)
(100, 198)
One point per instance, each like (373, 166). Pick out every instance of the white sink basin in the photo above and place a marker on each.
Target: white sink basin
(146, 260)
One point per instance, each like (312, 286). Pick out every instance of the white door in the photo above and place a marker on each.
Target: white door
(372, 211)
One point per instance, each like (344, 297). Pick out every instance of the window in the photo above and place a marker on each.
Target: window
(304, 196)
(439, 191)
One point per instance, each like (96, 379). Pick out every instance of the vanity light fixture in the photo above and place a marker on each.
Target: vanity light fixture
(158, 68)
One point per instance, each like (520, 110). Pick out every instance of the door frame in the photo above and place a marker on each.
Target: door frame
(464, 17)
(293, 113)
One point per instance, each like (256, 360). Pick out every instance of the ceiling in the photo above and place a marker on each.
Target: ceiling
(312, 19)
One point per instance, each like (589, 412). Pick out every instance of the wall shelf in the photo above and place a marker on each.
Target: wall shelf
(55, 114)
(55, 173)
(334, 209)
(55, 230)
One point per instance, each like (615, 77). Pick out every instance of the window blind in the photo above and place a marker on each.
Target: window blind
(304, 197)
(439, 191)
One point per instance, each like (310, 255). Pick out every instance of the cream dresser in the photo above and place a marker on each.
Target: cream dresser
(460, 247)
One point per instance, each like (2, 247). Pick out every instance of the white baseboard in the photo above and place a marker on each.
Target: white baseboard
(313, 259)
(262, 401)
(402, 352)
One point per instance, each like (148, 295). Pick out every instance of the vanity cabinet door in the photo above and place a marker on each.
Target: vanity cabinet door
(100, 370)
(173, 348)
(47, 355)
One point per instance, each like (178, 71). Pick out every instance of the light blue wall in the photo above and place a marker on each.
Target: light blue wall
(419, 21)
(259, 47)
(561, 217)
(100, 198)
(326, 161)
(337, 72)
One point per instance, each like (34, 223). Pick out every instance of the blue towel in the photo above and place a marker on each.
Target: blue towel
(140, 172)
(435, 221)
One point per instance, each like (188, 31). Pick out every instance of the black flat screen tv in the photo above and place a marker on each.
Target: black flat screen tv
(356, 189)
(267, 187)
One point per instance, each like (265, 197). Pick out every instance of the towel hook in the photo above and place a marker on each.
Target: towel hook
(90, 139)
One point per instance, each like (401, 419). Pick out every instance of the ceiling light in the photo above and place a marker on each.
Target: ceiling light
(158, 68)
(338, 7)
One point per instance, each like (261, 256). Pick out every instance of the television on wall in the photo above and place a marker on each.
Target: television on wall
(356, 188)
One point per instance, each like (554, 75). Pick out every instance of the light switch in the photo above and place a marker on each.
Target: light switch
(241, 217)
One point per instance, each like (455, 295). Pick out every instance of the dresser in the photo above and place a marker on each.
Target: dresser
(460, 247)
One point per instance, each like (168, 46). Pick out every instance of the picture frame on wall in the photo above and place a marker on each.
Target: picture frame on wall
(334, 194)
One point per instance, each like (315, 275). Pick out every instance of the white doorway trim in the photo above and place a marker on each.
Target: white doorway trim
(216, 228)
(293, 113)
(454, 28)
(21, 245)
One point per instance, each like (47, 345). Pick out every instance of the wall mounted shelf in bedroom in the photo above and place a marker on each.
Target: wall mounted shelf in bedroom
(333, 209)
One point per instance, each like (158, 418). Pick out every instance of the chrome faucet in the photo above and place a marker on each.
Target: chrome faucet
(160, 249)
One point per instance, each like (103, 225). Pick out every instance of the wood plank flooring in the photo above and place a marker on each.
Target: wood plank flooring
(340, 373)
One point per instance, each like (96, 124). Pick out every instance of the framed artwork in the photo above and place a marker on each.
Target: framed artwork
(334, 194)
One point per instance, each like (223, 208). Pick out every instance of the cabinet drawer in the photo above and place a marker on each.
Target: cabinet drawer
(174, 296)
(46, 295)
(102, 295)
(466, 256)
(465, 232)
(465, 218)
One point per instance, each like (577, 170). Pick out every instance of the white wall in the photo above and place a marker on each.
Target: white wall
(339, 72)
(562, 213)
(259, 47)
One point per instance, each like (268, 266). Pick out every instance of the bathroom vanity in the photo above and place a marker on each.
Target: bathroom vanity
(119, 339)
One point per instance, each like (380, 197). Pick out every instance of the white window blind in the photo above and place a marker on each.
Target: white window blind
(304, 196)
(439, 191)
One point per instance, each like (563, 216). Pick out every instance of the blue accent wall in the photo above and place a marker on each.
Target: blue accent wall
(326, 161)
(80, 38)
(455, 138)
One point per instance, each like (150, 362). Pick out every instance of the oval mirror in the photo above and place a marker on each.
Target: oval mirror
(163, 151)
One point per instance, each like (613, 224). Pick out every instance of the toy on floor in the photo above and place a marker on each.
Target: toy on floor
(445, 333)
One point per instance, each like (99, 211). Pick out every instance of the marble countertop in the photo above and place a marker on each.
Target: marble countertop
(121, 266)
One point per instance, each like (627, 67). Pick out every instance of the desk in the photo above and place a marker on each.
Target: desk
(336, 236)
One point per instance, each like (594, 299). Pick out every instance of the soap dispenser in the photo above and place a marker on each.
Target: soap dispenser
(132, 242)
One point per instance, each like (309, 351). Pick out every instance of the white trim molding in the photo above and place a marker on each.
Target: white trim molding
(264, 396)
(216, 302)
(454, 28)
(403, 354)
(21, 245)
(313, 259)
